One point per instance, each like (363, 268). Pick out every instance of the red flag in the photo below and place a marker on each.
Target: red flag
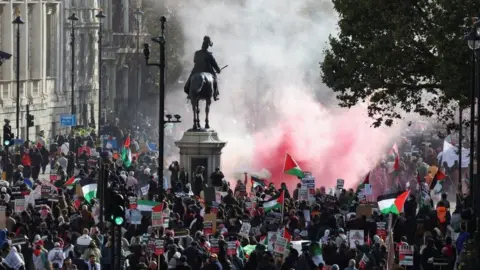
(158, 208)
(394, 150)
(126, 144)
(367, 179)
(287, 235)
(396, 165)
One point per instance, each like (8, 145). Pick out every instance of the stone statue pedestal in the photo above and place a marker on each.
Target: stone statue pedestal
(200, 148)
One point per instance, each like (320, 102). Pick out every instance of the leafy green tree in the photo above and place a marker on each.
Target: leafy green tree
(401, 56)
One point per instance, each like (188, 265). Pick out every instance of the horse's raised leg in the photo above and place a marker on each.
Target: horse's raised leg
(207, 110)
(194, 110)
(198, 113)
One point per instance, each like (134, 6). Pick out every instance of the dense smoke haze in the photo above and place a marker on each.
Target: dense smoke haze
(272, 100)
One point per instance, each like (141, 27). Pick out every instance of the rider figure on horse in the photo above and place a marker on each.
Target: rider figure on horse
(205, 62)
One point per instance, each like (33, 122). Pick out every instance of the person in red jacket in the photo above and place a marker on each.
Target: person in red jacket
(27, 163)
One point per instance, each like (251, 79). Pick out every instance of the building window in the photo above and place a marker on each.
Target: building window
(6, 92)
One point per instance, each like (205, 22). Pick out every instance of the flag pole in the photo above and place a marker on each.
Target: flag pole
(390, 249)
(283, 173)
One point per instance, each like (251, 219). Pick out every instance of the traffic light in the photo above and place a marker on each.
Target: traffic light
(30, 118)
(7, 135)
(117, 213)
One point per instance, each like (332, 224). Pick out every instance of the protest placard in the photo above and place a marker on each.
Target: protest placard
(20, 205)
(157, 220)
(405, 254)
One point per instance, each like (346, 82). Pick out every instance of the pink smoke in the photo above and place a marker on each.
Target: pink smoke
(331, 144)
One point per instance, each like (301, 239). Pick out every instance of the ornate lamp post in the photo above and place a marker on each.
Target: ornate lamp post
(103, 184)
(161, 112)
(18, 21)
(73, 18)
(100, 16)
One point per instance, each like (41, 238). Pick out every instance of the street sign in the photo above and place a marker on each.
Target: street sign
(68, 120)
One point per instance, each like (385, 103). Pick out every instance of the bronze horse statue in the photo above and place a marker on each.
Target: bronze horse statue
(201, 88)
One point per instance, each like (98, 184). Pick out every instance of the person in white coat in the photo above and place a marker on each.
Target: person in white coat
(56, 255)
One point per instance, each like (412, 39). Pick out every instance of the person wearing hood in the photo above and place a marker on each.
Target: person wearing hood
(40, 258)
(56, 256)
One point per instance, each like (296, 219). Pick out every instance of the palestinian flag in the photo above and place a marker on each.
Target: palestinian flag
(274, 204)
(71, 182)
(435, 175)
(316, 251)
(392, 203)
(126, 154)
(365, 181)
(291, 167)
(149, 206)
(396, 164)
(256, 182)
(89, 192)
(248, 249)
(285, 234)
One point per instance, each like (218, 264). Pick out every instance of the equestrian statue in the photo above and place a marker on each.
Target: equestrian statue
(202, 83)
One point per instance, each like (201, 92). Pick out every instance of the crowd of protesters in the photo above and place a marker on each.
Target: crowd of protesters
(209, 223)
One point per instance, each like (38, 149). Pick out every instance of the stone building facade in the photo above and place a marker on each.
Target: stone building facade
(45, 63)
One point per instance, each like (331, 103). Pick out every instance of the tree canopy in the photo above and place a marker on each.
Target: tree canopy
(401, 56)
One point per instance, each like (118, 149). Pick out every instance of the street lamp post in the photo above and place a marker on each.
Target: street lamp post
(161, 112)
(103, 184)
(100, 16)
(473, 40)
(18, 21)
(73, 18)
(138, 14)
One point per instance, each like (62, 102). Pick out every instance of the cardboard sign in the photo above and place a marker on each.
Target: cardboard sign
(303, 194)
(340, 183)
(135, 217)
(214, 247)
(280, 245)
(165, 222)
(308, 182)
(46, 190)
(207, 227)
(356, 238)
(157, 220)
(364, 210)
(20, 205)
(159, 247)
(245, 230)
(382, 230)
(213, 219)
(132, 202)
(232, 248)
(405, 254)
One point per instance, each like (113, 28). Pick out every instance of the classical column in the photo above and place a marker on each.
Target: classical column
(7, 42)
(24, 34)
(38, 50)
